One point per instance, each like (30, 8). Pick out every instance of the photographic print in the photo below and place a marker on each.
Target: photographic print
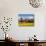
(26, 20)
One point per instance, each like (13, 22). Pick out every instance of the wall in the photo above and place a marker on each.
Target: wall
(12, 8)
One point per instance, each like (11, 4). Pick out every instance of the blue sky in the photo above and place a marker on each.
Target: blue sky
(24, 16)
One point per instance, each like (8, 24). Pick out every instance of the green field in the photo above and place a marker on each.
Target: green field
(26, 24)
